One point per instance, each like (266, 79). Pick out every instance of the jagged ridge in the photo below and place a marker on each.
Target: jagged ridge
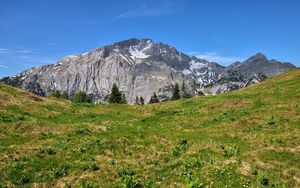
(140, 67)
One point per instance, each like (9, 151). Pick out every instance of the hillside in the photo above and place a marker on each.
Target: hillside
(244, 138)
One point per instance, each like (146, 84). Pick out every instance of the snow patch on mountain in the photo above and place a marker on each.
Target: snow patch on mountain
(138, 54)
(194, 65)
(186, 72)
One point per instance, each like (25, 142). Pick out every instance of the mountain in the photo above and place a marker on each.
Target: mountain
(242, 74)
(140, 67)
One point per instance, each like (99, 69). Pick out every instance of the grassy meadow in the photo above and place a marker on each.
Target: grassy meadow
(244, 138)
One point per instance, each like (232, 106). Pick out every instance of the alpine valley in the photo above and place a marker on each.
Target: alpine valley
(140, 67)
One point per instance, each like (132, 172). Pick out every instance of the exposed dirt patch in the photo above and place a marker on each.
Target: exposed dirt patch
(295, 150)
(245, 168)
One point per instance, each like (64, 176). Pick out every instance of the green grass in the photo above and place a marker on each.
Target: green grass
(244, 138)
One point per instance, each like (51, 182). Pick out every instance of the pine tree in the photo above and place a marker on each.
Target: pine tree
(176, 92)
(137, 102)
(184, 93)
(123, 99)
(142, 101)
(200, 93)
(81, 97)
(194, 86)
(115, 95)
(154, 99)
(151, 100)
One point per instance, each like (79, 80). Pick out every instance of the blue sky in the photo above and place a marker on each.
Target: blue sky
(37, 32)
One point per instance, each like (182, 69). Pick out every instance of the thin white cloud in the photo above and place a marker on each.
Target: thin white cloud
(142, 9)
(216, 57)
(24, 51)
(3, 66)
(4, 50)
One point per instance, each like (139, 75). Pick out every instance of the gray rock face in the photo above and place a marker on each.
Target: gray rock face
(141, 67)
(242, 74)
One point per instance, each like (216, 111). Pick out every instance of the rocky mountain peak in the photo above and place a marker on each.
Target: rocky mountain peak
(259, 57)
(140, 67)
(133, 42)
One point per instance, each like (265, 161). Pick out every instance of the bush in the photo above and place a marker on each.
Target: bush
(81, 97)
(56, 94)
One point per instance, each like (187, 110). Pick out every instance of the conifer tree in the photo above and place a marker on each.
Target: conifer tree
(184, 93)
(137, 102)
(123, 99)
(176, 92)
(154, 99)
(115, 95)
(142, 101)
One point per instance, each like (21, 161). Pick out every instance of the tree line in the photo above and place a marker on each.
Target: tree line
(118, 97)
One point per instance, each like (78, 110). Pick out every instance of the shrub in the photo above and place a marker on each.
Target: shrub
(81, 97)
(56, 94)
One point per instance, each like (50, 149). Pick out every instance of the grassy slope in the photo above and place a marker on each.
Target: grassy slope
(242, 138)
